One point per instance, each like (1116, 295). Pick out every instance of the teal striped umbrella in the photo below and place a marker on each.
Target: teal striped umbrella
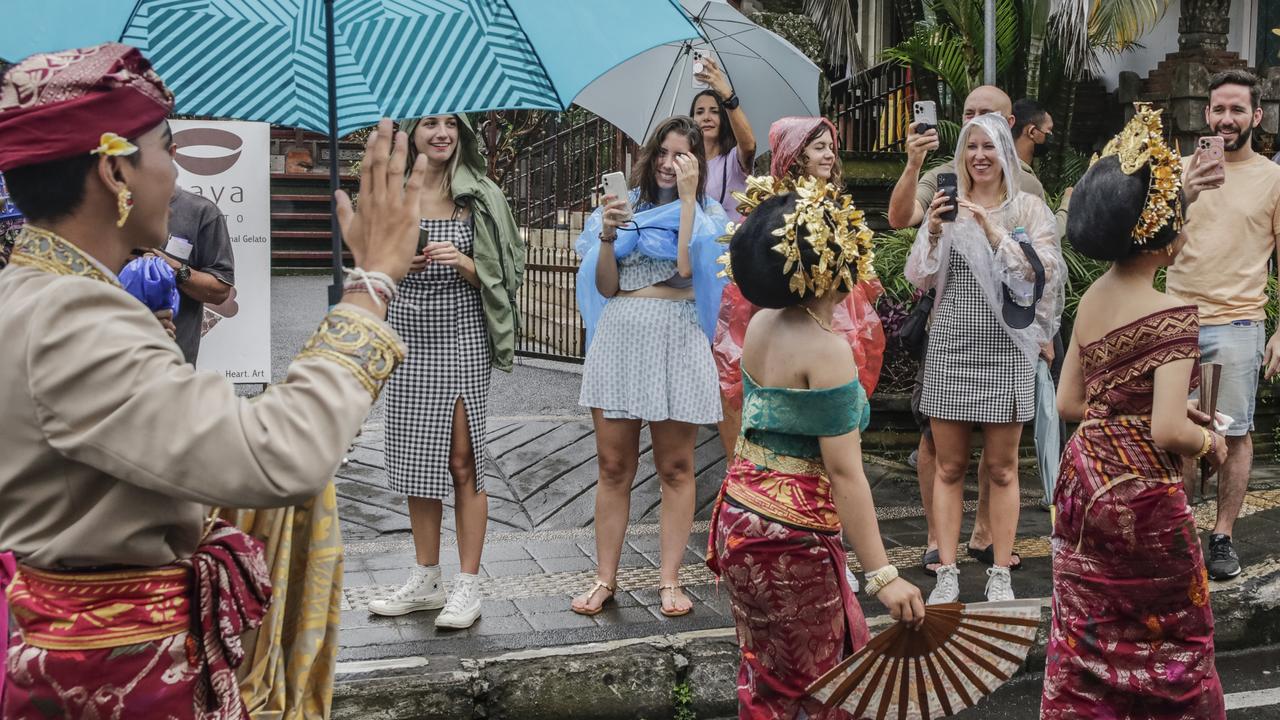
(335, 66)
(269, 59)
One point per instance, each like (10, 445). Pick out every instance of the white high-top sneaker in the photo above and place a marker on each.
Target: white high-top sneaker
(948, 588)
(464, 603)
(999, 584)
(422, 591)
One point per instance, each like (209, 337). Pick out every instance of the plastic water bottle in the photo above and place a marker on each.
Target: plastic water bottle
(1020, 234)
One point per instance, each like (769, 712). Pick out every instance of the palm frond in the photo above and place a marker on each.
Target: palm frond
(1083, 27)
(1069, 24)
(838, 26)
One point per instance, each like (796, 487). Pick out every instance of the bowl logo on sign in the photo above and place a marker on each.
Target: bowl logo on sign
(207, 151)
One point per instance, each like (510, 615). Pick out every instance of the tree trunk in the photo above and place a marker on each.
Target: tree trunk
(1039, 18)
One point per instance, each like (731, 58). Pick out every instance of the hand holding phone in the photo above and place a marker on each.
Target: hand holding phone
(948, 185)
(1211, 149)
(924, 116)
(698, 68)
(615, 184)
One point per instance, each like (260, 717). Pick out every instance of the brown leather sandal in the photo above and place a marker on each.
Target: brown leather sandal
(600, 584)
(663, 606)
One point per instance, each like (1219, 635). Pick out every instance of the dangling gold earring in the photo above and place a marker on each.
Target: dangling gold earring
(124, 203)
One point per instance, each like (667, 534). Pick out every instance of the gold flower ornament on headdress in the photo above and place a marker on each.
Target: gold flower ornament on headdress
(1142, 143)
(832, 226)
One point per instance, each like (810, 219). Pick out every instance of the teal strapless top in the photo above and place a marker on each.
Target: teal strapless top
(789, 421)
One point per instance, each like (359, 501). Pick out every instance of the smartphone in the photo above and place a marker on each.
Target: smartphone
(1211, 149)
(924, 114)
(697, 68)
(947, 183)
(615, 184)
(423, 237)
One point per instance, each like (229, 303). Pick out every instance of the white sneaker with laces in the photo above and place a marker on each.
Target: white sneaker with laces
(422, 591)
(999, 584)
(463, 606)
(948, 588)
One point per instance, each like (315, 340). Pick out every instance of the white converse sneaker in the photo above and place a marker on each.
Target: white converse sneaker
(948, 588)
(999, 584)
(464, 603)
(422, 591)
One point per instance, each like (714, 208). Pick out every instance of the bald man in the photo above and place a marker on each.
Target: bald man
(912, 195)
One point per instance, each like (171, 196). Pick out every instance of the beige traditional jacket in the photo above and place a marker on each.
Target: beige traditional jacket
(112, 448)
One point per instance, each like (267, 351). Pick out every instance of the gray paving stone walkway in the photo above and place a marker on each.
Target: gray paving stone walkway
(540, 548)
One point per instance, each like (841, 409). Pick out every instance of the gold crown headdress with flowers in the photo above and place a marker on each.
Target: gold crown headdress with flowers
(1140, 143)
(834, 228)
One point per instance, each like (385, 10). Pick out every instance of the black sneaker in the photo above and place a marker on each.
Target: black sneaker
(1224, 564)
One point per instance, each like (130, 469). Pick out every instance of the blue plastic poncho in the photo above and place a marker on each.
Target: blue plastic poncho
(654, 233)
(151, 280)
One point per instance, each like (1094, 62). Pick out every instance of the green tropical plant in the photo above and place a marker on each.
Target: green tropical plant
(1083, 29)
(950, 43)
(837, 23)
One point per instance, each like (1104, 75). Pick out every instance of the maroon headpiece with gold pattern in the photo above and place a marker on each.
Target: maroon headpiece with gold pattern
(58, 105)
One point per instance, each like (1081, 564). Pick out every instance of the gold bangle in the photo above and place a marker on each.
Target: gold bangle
(1206, 446)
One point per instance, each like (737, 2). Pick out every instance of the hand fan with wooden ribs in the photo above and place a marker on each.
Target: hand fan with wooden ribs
(960, 654)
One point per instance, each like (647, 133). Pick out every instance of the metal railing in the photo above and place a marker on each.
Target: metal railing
(871, 110)
(551, 186)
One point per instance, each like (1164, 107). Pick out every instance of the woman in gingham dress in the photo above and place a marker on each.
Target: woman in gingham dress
(649, 358)
(437, 401)
(978, 369)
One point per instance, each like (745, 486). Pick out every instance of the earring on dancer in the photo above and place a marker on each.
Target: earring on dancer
(124, 203)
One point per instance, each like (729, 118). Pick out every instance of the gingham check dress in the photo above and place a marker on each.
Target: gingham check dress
(972, 370)
(440, 317)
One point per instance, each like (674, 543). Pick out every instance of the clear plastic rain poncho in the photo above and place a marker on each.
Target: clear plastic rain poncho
(855, 318)
(1005, 264)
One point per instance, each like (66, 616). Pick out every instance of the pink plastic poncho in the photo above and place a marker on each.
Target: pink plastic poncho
(855, 318)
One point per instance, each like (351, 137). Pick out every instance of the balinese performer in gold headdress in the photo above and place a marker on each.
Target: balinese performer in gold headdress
(1132, 632)
(130, 601)
(796, 478)
(801, 147)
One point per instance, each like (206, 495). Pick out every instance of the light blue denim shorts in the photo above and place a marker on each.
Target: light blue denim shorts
(1239, 347)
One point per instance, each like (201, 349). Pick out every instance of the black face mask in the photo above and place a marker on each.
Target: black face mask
(1041, 149)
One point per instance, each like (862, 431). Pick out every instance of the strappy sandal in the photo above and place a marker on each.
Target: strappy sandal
(930, 557)
(662, 607)
(600, 585)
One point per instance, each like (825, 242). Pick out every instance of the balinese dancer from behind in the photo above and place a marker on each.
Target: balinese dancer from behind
(130, 602)
(802, 147)
(1132, 632)
(796, 478)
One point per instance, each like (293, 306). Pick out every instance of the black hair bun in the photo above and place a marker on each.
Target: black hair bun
(1105, 207)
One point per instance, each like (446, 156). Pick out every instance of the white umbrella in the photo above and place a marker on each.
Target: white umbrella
(770, 76)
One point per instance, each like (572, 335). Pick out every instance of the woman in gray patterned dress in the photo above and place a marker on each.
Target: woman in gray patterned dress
(978, 369)
(437, 401)
(650, 361)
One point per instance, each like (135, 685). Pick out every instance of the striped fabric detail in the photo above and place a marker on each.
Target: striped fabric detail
(394, 58)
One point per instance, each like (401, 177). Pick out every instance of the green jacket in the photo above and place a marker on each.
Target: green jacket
(499, 250)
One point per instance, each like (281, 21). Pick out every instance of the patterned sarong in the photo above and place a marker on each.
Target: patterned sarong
(795, 611)
(160, 642)
(1132, 632)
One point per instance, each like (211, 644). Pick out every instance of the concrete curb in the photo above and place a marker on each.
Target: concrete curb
(636, 678)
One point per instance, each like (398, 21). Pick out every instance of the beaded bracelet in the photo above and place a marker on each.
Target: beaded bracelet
(878, 579)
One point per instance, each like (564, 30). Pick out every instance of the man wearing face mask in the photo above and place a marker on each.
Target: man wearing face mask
(1232, 230)
(1032, 128)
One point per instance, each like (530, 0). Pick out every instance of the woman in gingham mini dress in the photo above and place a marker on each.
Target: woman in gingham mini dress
(440, 317)
(437, 400)
(979, 369)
